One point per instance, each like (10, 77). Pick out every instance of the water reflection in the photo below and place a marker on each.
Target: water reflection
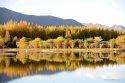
(28, 64)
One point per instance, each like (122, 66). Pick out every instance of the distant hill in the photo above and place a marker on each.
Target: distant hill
(119, 27)
(116, 27)
(6, 15)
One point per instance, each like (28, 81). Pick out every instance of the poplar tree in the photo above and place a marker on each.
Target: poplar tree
(7, 37)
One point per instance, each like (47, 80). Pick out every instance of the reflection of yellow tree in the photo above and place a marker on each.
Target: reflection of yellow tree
(120, 59)
(7, 61)
(24, 63)
(1, 59)
(112, 57)
(22, 58)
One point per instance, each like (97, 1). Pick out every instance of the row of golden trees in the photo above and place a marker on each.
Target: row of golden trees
(12, 31)
(26, 29)
(60, 42)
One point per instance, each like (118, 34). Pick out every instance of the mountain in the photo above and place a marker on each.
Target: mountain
(97, 25)
(6, 15)
(119, 27)
(115, 27)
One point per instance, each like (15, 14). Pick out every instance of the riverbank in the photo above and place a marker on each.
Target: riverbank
(104, 50)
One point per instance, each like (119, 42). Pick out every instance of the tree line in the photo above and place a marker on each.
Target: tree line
(60, 42)
(13, 31)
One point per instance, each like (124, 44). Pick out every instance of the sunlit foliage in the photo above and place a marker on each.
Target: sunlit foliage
(13, 30)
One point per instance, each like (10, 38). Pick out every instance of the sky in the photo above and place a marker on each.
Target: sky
(106, 12)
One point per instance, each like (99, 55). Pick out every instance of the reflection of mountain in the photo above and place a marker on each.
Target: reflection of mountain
(37, 63)
(5, 78)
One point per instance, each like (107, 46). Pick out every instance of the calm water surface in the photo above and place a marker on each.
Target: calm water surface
(63, 68)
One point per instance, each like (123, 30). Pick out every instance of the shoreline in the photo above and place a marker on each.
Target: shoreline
(96, 50)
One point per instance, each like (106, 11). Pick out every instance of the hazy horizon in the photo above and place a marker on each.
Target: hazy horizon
(106, 12)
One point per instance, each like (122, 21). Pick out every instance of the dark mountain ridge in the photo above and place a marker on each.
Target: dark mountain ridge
(6, 15)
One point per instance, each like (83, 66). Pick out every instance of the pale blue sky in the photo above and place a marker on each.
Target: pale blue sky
(108, 12)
